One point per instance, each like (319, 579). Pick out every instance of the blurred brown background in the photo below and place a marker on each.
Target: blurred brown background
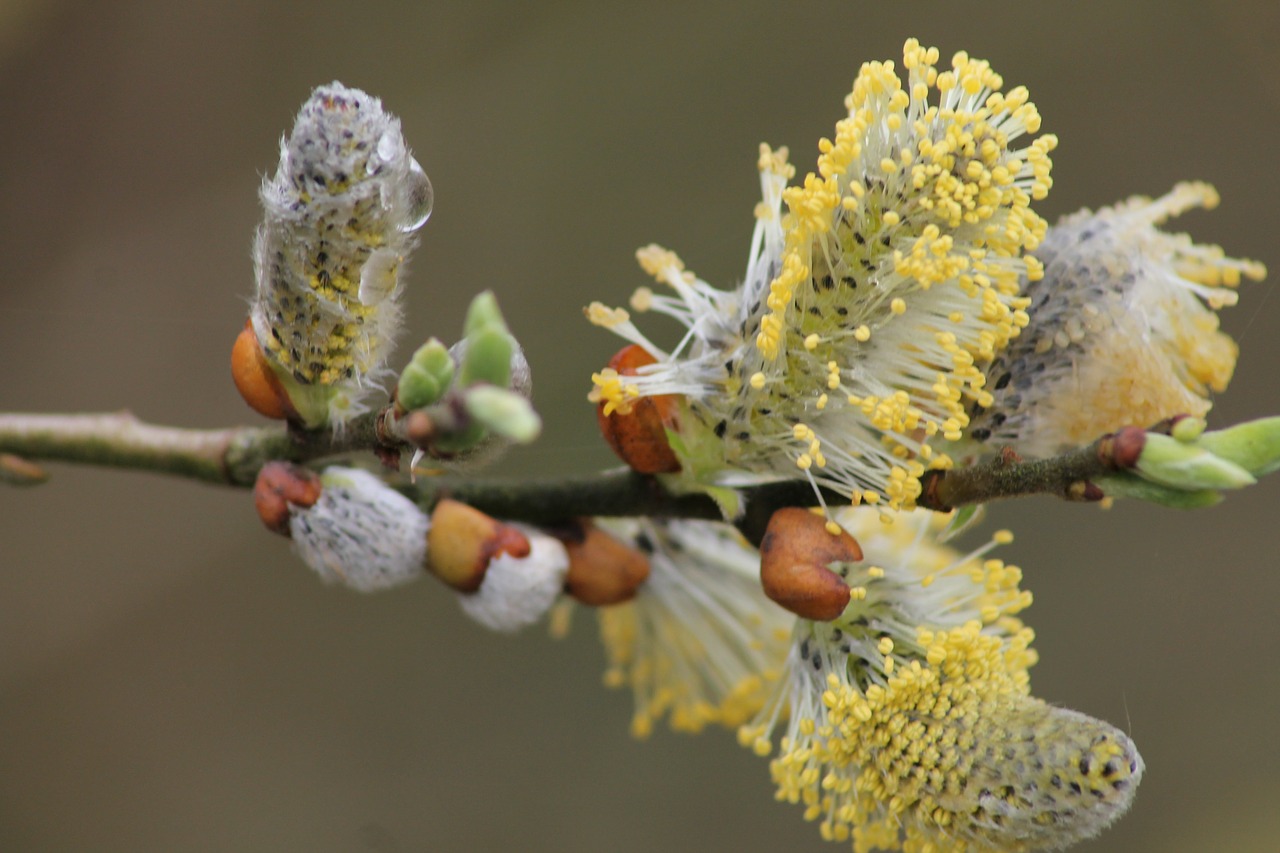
(172, 679)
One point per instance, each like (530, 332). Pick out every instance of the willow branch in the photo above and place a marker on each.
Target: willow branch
(233, 456)
(1069, 476)
(229, 457)
(611, 493)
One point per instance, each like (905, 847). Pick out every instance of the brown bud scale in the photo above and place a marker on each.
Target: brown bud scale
(1126, 447)
(602, 570)
(794, 555)
(639, 437)
(462, 540)
(280, 484)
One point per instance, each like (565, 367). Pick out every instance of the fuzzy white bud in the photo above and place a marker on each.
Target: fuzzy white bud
(518, 591)
(361, 532)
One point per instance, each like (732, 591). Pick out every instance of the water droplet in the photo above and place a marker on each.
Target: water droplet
(391, 145)
(419, 198)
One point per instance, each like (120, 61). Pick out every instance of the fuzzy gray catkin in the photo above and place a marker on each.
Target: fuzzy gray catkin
(339, 218)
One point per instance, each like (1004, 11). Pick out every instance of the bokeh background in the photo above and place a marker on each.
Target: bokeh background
(172, 679)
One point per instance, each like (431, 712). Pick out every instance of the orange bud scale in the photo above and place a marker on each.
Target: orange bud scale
(639, 436)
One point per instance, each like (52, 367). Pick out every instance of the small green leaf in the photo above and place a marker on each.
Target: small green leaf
(1126, 485)
(1253, 445)
(504, 413)
(729, 500)
(965, 518)
(483, 314)
(487, 358)
(1188, 430)
(460, 441)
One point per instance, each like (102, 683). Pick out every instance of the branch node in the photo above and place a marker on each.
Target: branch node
(1009, 456)
(929, 497)
(1120, 450)
(16, 471)
(1083, 490)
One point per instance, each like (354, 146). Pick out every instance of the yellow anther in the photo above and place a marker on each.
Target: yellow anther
(642, 299)
(657, 261)
(601, 315)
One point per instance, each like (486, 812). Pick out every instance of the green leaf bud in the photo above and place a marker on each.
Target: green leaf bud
(487, 358)
(483, 313)
(1173, 463)
(1188, 429)
(426, 377)
(1253, 445)
(503, 412)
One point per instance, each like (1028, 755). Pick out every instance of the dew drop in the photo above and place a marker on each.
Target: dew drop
(419, 198)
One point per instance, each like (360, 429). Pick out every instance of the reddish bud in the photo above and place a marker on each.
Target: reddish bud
(602, 570)
(794, 555)
(419, 428)
(1126, 447)
(279, 485)
(1093, 492)
(639, 437)
(255, 380)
